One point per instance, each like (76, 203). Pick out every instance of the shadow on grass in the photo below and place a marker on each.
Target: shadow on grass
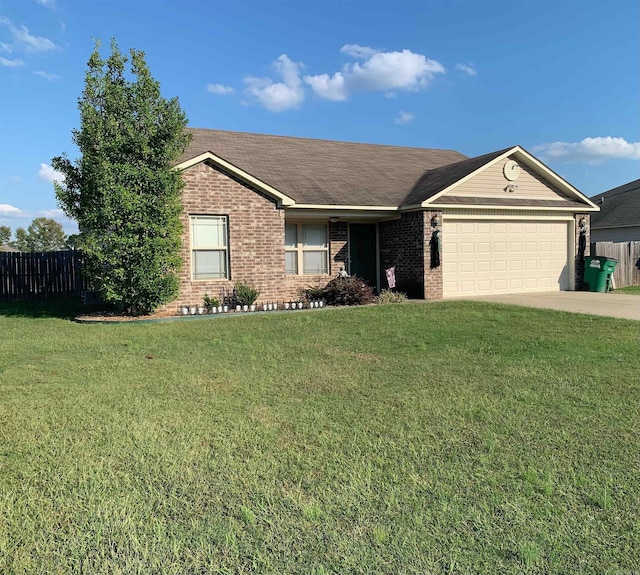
(62, 308)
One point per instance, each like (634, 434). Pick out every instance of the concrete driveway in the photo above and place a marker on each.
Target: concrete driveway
(607, 304)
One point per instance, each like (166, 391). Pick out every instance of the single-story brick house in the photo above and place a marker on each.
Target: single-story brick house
(286, 213)
(619, 216)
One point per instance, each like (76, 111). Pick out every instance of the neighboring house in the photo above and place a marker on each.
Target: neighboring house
(286, 213)
(619, 216)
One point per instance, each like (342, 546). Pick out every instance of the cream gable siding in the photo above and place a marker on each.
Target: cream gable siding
(491, 183)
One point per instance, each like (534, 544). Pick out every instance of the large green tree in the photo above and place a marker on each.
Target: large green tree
(42, 235)
(123, 191)
(5, 235)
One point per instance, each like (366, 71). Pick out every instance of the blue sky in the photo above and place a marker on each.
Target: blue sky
(560, 78)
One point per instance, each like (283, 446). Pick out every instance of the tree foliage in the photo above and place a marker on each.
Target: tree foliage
(42, 235)
(5, 235)
(123, 191)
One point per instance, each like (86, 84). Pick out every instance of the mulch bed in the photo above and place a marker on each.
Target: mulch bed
(109, 316)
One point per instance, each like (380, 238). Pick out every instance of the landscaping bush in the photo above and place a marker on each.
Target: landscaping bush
(312, 293)
(245, 294)
(210, 301)
(388, 296)
(348, 291)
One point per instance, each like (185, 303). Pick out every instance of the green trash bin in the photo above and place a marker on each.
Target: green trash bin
(597, 273)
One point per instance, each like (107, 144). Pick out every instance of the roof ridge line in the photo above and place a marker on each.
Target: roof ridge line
(349, 142)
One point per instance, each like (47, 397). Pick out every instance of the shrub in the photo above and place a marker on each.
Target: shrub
(312, 293)
(245, 294)
(388, 296)
(210, 301)
(348, 291)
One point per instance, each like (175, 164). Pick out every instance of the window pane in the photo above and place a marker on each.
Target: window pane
(314, 235)
(211, 264)
(209, 232)
(315, 262)
(291, 262)
(291, 235)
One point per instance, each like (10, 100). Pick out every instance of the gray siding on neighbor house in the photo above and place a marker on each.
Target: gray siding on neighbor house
(622, 234)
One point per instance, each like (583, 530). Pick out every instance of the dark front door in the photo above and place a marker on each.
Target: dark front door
(362, 252)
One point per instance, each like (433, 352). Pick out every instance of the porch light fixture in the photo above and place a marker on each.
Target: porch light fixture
(435, 222)
(334, 219)
(511, 188)
(582, 224)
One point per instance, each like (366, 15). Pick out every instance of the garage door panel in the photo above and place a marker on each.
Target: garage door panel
(485, 257)
(469, 267)
(500, 266)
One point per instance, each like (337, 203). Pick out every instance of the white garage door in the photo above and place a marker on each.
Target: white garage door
(498, 257)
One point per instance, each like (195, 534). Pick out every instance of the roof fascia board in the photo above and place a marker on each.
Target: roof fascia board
(562, 183)
(344, 207)
(283, 199)
(572, 209)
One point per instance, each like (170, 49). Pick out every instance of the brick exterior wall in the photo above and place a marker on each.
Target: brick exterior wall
(401, 244)
(433, 275)
(256, 225)
(405, 244)
(579, 257)
(256, 239)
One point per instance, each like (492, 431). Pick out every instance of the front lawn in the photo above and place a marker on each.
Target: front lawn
(453, 437)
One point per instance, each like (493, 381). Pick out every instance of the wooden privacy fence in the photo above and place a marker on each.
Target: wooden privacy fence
(40, 275)
(627, 272)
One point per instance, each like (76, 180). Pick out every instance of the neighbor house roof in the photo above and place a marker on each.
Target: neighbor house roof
(323, 171)
(619, 207)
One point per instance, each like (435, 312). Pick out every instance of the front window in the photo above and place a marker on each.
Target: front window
(209, 247)
(306, 249)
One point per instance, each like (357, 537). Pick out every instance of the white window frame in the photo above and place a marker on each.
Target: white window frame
(193, 219)
(300, 248)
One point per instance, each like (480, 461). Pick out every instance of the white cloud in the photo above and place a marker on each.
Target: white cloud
(56, 214)
(591, 150)
(467, 69)
(358, 51)
(46, 75)
(404, 118)
(48, 174)
(9, 211)
(25, 40)
(278, 96)
(6, 48)
(329, 87)
(220, 89)
(47, 3)
(11, 63)
(379, 71)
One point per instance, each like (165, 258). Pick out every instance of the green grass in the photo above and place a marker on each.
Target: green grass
(452, 437)
(634, 290)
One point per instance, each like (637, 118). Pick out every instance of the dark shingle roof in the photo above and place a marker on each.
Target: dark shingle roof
(333, 173)
(620, 207)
